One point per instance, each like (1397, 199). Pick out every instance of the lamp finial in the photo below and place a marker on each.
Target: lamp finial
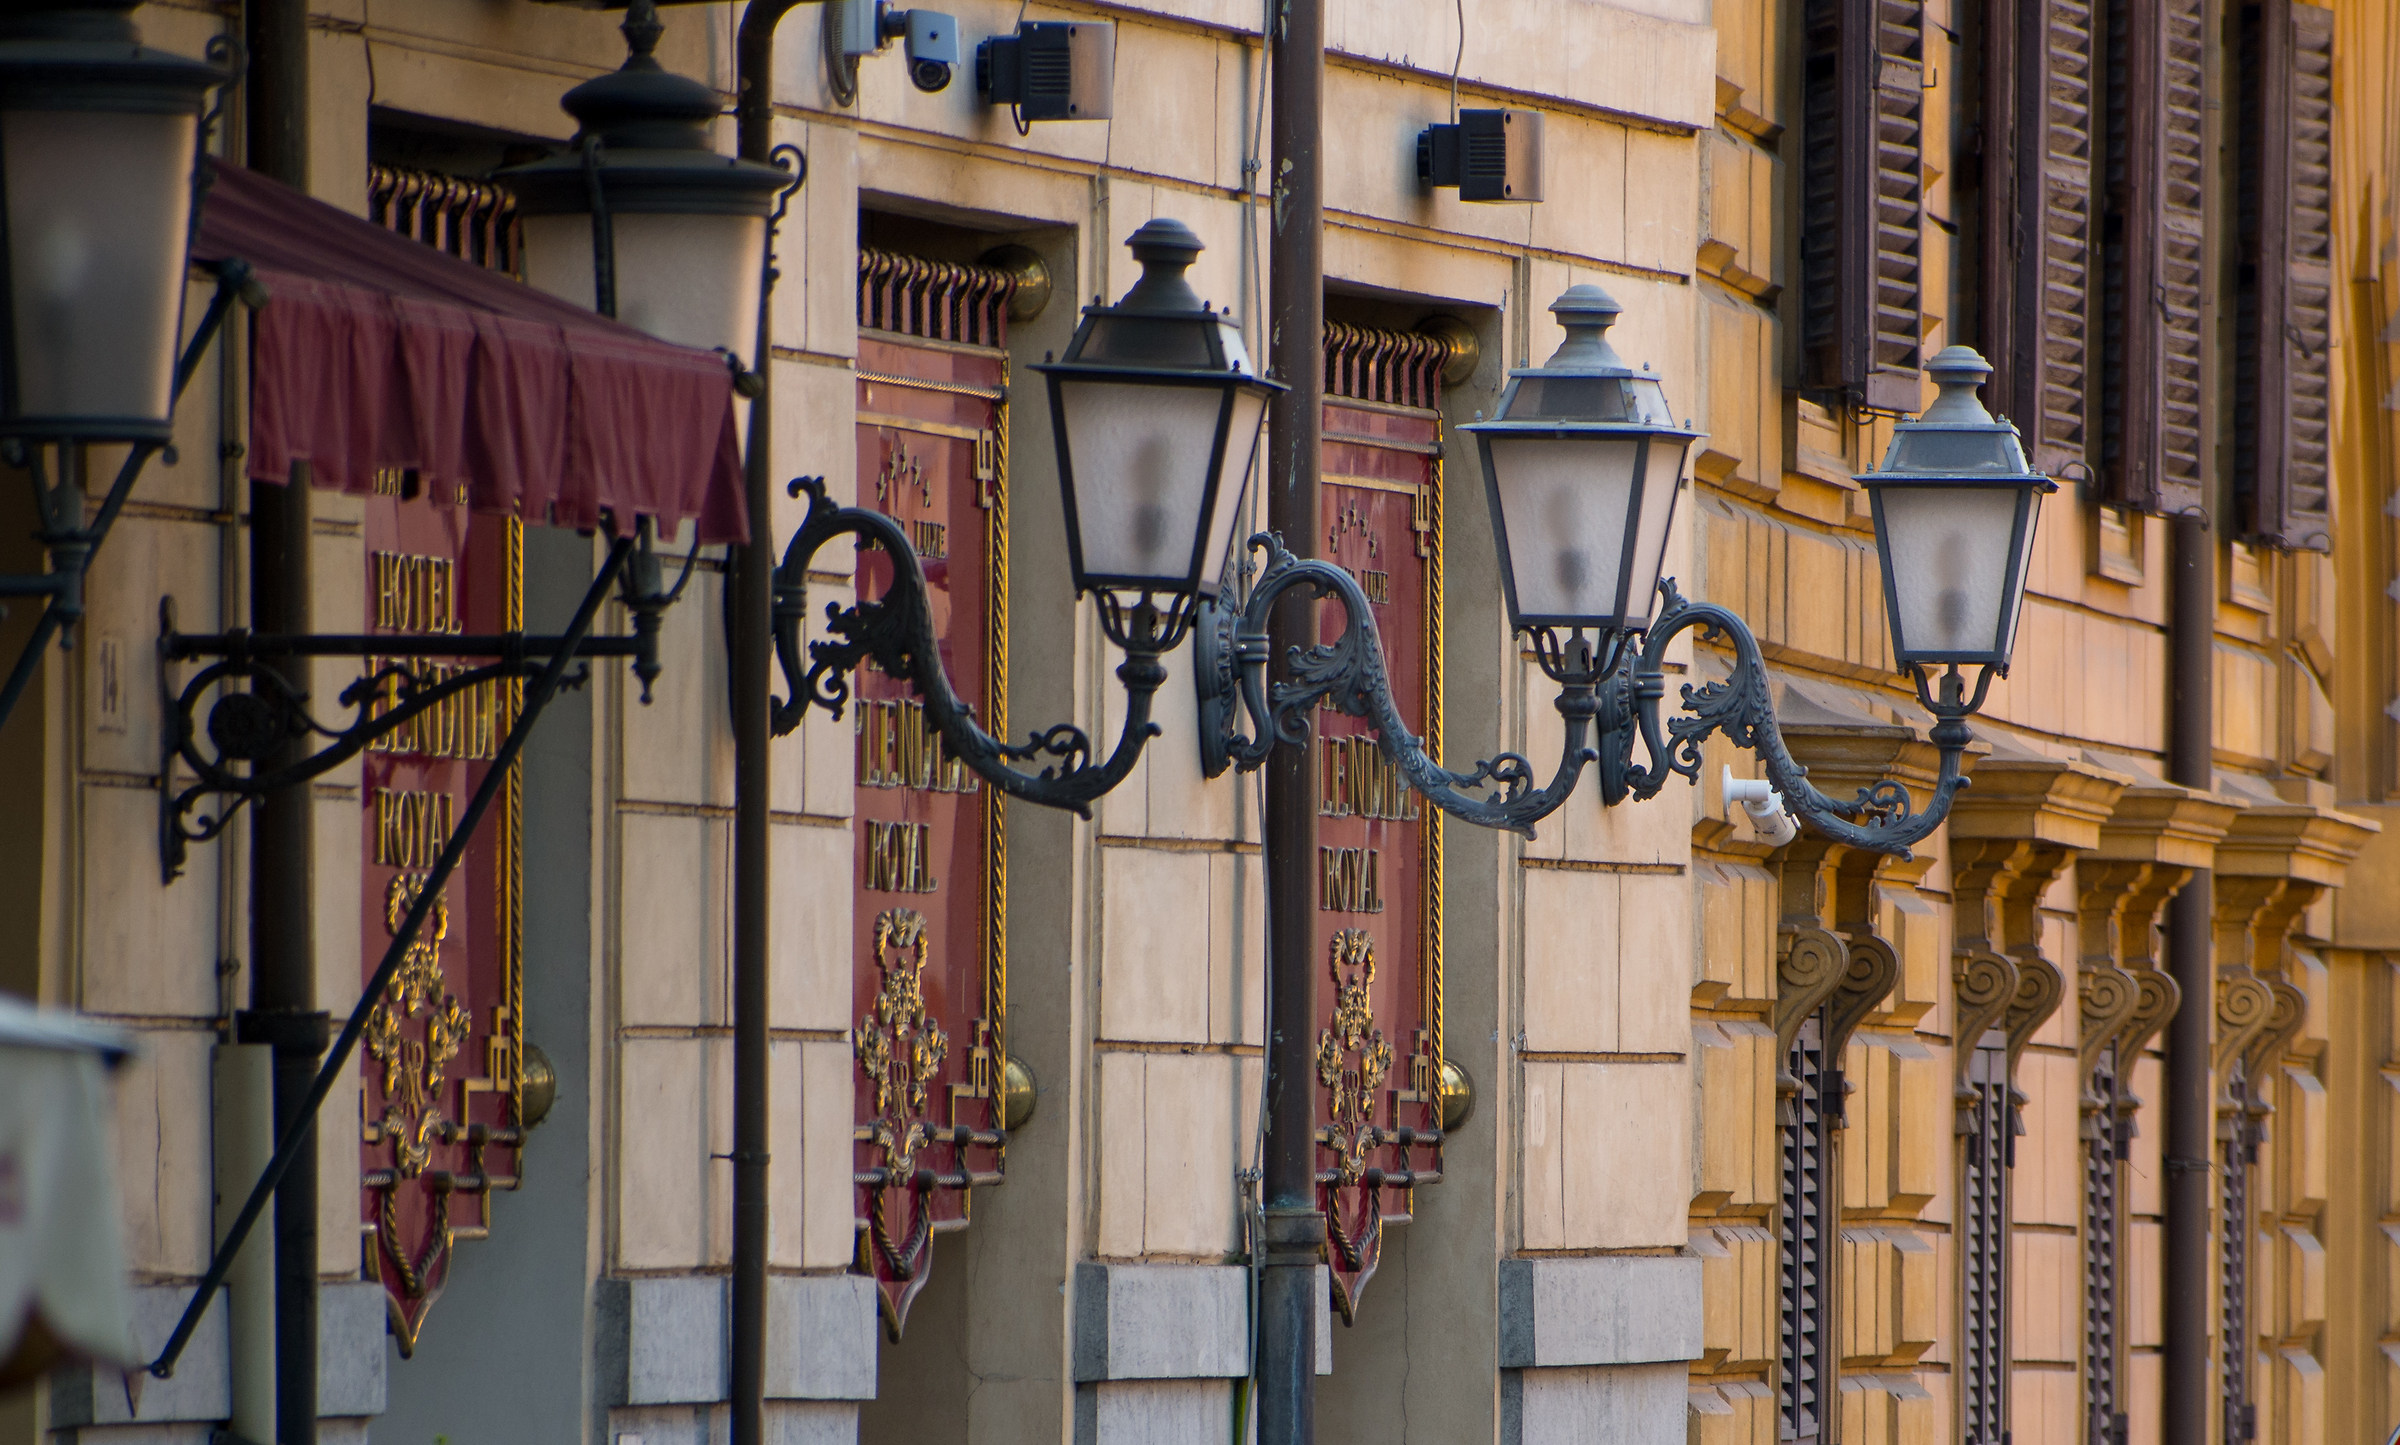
(1166, 248)
(1960, 372)
(1586, 312)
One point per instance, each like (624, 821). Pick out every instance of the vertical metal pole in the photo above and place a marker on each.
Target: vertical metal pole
(753, 603)
(1295, 1230)
(283, 967)
(2191, 1091)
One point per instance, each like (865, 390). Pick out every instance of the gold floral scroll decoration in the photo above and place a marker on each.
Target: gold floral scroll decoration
(900, 1046)
(1353, 1057)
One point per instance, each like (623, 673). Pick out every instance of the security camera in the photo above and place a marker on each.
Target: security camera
(932, 45)
(929, 37)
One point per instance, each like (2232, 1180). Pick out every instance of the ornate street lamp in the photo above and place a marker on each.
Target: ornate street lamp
(99, 152)
(640, 216)
(1157, 412)
(1582, 467)
(1955, 507)
(99, 138)
(1157, 417)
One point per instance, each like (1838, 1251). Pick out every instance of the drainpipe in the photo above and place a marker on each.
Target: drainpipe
(753, 602)
(2190, 1266)
(283, 1010)
(1295, 1230)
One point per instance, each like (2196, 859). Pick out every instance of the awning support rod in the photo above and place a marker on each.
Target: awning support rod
(287, 1148)
(72, 542)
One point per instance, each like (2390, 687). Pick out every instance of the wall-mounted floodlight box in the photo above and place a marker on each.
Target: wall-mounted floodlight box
(1050, 70)
(1489, 155)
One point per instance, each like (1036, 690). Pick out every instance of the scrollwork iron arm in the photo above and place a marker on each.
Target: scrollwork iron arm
(895, 632)
(1609, 705)
(1882, 816)
(1348, 674)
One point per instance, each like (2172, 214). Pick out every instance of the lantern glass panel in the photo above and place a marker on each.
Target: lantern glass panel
(99, 208)
(1662, 483)
(1952, 565)
(689, 277)
(1233, 477)
(1139, 459)
(1565, 503)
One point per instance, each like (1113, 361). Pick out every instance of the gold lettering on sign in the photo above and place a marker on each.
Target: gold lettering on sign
(900, 858)
(1352, 880)
(411, 827)
(466, 724)
(899, 748)
(931, 539)
(1377, 585)
(415, 593)
(1355, 780)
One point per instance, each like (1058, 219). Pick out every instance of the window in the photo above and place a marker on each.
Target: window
(2284, 291)
(2150, 430)
(2037, 226)
(1862, 201)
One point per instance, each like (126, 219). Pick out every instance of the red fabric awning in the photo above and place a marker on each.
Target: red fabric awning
(375, 351)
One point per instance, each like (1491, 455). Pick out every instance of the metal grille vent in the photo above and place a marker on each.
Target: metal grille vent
(1805, 1306)
(934, 300)
(2102, 1225)
(2235, 1232)
(1983, 1250)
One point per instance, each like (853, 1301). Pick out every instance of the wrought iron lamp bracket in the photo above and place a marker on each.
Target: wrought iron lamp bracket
(1612, 700)
(895, 632)
(229, 753)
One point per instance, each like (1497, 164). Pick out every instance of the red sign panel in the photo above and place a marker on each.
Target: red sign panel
(1378, 1061)
(930, 881)
(439, 1079)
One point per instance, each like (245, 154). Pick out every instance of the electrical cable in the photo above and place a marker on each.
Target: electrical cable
(1458, 60)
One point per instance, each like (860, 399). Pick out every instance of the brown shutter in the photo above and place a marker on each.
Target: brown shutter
(2037, 221)
(2281, 421)
(2150, 278)
(1863, 200)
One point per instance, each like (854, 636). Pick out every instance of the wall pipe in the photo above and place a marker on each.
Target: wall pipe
(283, 1011)
(750, 641)
(1289, 1292)
(2190, 1266)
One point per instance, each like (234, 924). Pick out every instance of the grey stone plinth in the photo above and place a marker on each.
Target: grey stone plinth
(1608, 1310)
(1161, 1321)
(200, 1389)
(672, 1336)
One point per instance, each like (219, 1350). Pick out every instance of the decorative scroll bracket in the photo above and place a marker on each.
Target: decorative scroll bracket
(230, 754)
(895, 632)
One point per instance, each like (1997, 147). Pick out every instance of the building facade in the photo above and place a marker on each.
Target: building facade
(2075, 1126)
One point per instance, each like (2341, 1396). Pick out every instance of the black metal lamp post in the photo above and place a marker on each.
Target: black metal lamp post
(1157, 414)
(1582, 467)
(99, 148)
(1955, 508)
(641, 215)
(99, 135)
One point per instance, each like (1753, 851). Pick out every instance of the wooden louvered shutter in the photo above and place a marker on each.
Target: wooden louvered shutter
(2150, 279)
(2282, 426)
(1863, 200)
(2037, 222)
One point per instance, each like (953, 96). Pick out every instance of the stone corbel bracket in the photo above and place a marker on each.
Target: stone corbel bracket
(2027, 818)
(2276, 860)
(2158, 834)
(1831, 951)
